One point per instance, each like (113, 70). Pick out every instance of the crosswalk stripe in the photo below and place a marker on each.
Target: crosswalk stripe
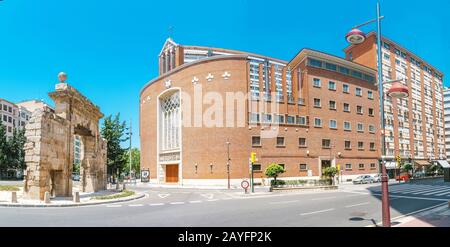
(443, 194)
(426, 190)
(436, 191)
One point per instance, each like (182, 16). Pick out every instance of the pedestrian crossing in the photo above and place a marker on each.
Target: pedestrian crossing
(439, 191)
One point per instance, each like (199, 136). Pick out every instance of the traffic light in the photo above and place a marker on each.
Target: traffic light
(252, 157)
(399, 160)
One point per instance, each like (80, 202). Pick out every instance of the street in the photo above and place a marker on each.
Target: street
(350, 206)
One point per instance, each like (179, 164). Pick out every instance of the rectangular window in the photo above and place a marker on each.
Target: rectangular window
(315, 63)
(358, 91)
(317, 102)
(344, 70)
(256, 167)
(332, 85)
(290, 119)
(301, 120)
(256, 141)
(254, 117)
(326, 143)
(347, 145)
(386, 45)
(316, 82)
(359, 109)
(371, 112)
(346, 107)
(302, 142)
(278, 118)
(347, 126)
(9, 129)
(348, 166)
(360, 145)
(361, 166)
(266, 118)
(346, 88)
(317, 122)
(372, 146)
(371, 128)
(370, 94)
(331, 66)
(373, 166)
(357, 74)
(360, 127)
(303, 167)
(333, 124)
(280, 141)
(332, 105)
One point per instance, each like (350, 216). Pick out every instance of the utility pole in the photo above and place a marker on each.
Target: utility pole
(228, 162)
(131, 133)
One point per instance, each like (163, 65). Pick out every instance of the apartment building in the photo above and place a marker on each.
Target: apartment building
(12, 116)
(447, 120)
(415, 125)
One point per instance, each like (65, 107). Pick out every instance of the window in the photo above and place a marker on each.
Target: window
(360, 127)
(372, 146)
(282, 165)
(290, 119)
(9, 129)
(332, 85)
(317, 102)
(347, 126)
(346, 107)
(317, 122)
(348, 166)
(333, 124)
(332, 105)
(386, 45)
(387, 56)
(316, 82)
(266, 118)
(346, 88)
(254, 117)
(303, 167)
(371, 112)
(373, 166)
(370, 94)
(315, 63)
(5, 118)
(326, 143)
(347, 145)
(331, 66)
(360, 145)
(359, 109)
(358, 91)
(9, 119)
(344, 70)
(278, 118)
(361, 166)
(371, 128)
(256, 167)
(301, 120)
(280, 141)
(256, 141)
(302, 142)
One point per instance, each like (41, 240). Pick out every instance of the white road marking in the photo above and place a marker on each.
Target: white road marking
(156, 204)
(418, 198)
(209, 195)
(113, 206)
(356, 205)
(163, 195)
(283, 202)
(212, 200)
(323, 198)
(136, 205)
(176, 203)
(195, 201)
(442, 194)
(318, 212)
(227, 198)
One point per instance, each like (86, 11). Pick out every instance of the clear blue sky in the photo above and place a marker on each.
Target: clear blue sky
(109, 48)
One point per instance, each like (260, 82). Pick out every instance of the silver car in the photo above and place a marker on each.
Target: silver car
(377, 178)
(363, 179)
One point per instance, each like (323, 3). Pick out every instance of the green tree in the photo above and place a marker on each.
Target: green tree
(273, 171)
(330, 173)
(3, 150)
(114, 132)
(16, 153)
(135, 161)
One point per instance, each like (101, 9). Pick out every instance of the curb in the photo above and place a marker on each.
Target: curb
(308, 188)
(17, 205)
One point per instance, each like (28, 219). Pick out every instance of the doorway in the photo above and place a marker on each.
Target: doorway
(325, 164)
(171, 173)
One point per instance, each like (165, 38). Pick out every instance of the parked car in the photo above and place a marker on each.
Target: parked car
(76, 177)
(377, 178)
(419, 174)
(363, 179)
(404, 176)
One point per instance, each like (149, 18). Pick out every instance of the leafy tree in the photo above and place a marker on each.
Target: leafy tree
(3, 149)
(135, 161)
(407, 167)
(330, 172)
(16, 153)
(274, 170)
(114, 132)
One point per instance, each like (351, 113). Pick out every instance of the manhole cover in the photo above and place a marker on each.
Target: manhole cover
(356, 219)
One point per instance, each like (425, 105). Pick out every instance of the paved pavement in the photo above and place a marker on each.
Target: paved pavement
(351, 205)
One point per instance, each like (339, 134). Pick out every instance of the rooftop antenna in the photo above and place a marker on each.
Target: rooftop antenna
(170, 32)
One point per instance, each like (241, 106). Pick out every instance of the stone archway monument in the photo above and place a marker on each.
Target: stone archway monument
(49, 150)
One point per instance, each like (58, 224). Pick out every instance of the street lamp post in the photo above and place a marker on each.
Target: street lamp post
(228, 162)
(398, 90)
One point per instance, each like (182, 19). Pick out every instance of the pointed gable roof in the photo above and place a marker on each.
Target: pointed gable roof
(169, 42)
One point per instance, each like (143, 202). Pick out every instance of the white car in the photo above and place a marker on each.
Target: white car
(377, 178)
(363, 179)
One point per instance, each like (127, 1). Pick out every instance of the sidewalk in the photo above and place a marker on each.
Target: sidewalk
(436, 217)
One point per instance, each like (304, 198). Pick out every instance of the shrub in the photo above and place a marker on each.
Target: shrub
(273, 171)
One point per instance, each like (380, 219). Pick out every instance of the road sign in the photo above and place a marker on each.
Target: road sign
(245, 184)
(145, 176)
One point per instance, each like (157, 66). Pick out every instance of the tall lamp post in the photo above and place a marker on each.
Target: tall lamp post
(398, 90)
(228, 162)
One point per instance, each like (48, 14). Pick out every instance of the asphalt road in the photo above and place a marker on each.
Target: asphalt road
(351, 205)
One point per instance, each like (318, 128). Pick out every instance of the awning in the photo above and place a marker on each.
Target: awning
(390, 164)
(443, 163)
(422, 162)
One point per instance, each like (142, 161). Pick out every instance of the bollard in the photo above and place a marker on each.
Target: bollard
(76, 197)
(47, 197)
(14, 197)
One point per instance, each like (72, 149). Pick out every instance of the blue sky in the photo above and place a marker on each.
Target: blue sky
(109, 48)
